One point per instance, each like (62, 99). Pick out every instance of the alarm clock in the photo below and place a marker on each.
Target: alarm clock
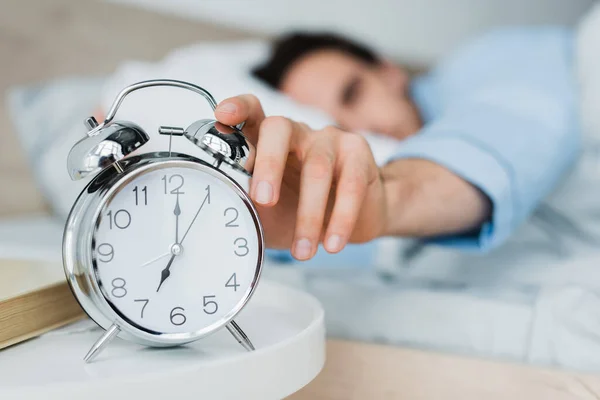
(162, 248)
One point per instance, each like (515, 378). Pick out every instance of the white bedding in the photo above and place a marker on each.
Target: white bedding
(451, 309)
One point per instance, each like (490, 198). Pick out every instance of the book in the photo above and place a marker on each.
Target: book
(34, 298)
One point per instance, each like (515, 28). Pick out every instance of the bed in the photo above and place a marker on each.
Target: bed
(443, 304)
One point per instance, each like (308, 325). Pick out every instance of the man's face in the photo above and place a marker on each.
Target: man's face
(359, 96)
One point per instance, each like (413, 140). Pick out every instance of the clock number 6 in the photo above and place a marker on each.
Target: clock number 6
(242, 247)
(210, 304)
(177, 318)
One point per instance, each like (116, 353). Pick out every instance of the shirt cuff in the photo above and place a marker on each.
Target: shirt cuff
(479, 165)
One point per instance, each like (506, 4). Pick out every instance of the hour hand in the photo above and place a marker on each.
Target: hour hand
(165, 273)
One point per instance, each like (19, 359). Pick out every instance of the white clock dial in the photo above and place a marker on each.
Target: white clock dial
(176, 250)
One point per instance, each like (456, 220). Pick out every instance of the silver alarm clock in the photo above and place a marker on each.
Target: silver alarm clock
(162, 248)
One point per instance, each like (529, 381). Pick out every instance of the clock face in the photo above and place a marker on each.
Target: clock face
(176, 250)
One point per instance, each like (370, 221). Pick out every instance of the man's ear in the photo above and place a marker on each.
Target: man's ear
(393, 75)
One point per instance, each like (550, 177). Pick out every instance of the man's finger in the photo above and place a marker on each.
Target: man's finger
(352, 186)
(245, 108)
(274, 140)
(315, 184)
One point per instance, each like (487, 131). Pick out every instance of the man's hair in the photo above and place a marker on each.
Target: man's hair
(291, 47)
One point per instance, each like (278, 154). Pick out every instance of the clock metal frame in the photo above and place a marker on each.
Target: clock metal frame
(78, 247)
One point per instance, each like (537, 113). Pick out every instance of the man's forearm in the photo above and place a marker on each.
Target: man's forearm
(424, 199)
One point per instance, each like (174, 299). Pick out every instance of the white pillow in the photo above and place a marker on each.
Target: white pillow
(48, 117)
(221, 68)
(224, 70)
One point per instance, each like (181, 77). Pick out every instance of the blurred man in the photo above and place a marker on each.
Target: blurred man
(362, 91)
(481, 139)
(485, 136)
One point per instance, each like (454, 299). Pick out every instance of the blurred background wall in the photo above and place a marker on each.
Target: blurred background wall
(416, 31)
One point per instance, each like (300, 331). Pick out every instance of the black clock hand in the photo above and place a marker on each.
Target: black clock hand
(165, 272)
(207, 198)
(177, 212)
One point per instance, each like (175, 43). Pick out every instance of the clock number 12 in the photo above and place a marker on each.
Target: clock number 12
(174, 183)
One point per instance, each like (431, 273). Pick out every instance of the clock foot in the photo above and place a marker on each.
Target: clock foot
(101, 343)
(239, 335)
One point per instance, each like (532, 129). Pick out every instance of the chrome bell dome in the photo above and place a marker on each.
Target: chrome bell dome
(225, 143)
(110, 144)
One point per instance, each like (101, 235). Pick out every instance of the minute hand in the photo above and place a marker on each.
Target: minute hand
(207, 198)
(177, 212)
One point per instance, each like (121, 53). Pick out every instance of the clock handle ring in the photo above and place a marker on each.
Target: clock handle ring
(151, 83)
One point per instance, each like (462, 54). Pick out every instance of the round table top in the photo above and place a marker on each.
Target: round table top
(285, 325)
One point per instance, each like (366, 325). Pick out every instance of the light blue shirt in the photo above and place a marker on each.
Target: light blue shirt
(502, 113)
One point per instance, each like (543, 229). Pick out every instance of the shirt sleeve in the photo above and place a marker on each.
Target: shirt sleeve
(508, 125)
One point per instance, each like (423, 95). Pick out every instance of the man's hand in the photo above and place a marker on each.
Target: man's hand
(309, 186)
(324, 186)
